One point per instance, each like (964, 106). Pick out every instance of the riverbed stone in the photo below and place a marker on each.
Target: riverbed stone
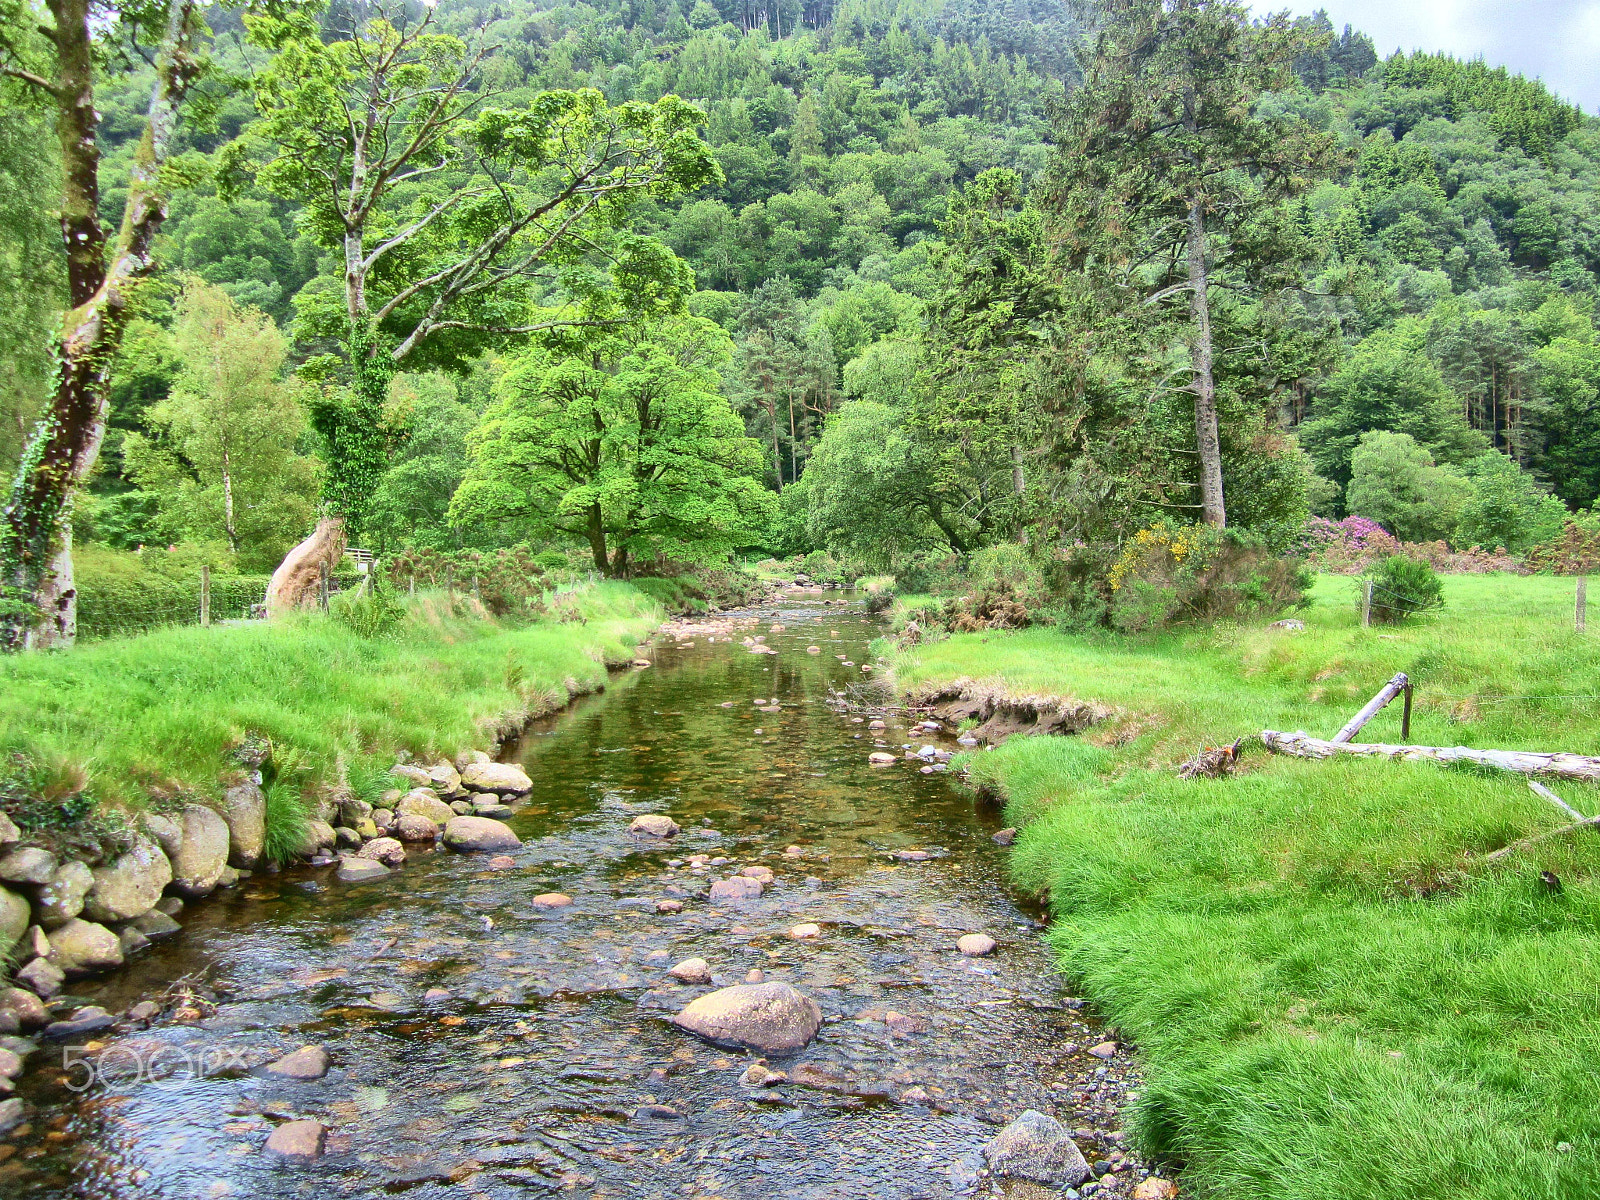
(462, 808)
(155, 924)
(423, 803)
(414, 775)
(772, 1018)
(467, 757)
(352, 810)
(27, 864)
(386, 850)
(32, 944)
(496, 777)
(414, 827)
(8, 830)
(26, 1007)
(975, 945)
(1036, 1147)
(348, 839)
(203, 852)
(298, 1140)
(383, 820)
(130, 885)
(319, 836)
(654, 825)
(806, 931)
(493, 808)
(359, 870)
(12, 1112)
(551, 900)
(469, 835)
(41, 977)
(131, 940)
(691, 970)
(83, 947)
(881, 758)
(244, 809)
(16, 914)
(304, 1064)
(735, 889)
(444, 779)
(1004, 837)
(62, 898)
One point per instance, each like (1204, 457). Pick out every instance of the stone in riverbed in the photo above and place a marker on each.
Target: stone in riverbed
(58, 901)
(479, 834)
(359, 870)
(805, 931)
(738, 888)
(129, 886)
(1005, 837)
(414, 827)
(302, 1140)
(421, 802)
(692, 970)
(769, 1017)
(881, 758)
(975, 945)
(89, 1019)
(491, 808)
(349, 839)
(353, 810)
(386, 850)
(1105, 1051)
(500, 862)
(155, 924)
(654, 825)
(41, 977)
(27, 864)
(1036, 1147)
(444, 778)
(669, 906)
(15, 917)
(203, 853)
(496, 777)
(11, 1113)
(82, 947)
(132, 940)
(27, 1008)
(551, 900)
(304, 1064)
(461, 808)
(244, 809)
(760, 874)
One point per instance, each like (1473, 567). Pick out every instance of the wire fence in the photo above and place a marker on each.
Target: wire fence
(123, 608)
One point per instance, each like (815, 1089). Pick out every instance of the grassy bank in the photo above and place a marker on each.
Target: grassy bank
(1334, 995)
(160, 713)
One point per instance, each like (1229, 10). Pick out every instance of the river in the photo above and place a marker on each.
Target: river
(482, 1046)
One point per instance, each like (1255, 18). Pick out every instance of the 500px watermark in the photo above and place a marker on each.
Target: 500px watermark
(85, 1067)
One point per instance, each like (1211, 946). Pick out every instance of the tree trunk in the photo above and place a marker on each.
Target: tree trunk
(35, 536)
(1212, 511)
(227, 504)
(295, 582)
(597, 540)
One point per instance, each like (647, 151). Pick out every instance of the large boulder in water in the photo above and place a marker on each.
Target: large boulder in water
(1036, 1147)
(770, 1017)
(474, 834)
(495, 777)
(421, 802)
(203, 853)
(82, 947)
(131, 885)
(244, 809)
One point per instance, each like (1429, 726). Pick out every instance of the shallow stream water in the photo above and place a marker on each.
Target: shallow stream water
(541, 1063)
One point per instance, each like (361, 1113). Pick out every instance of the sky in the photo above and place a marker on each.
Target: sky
(1556, 40)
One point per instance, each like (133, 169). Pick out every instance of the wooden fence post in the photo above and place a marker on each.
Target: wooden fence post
(322, 585)
(1366, 605)
(205, 595)
(1580, 611)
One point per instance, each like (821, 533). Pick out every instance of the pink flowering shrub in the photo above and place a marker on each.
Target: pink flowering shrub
(1350, 546)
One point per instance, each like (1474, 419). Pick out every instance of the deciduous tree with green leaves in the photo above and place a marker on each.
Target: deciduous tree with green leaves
(461, 225)
(622, 439)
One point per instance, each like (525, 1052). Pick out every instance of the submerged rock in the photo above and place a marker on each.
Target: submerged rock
(769, 1017)
(306, 1063)
(975, 945)
(654, 825)
(551, 900)
(386, 850)
(358, 870)
(1037, 1148)
(298, 1139)
(739, 887)
(692, 970)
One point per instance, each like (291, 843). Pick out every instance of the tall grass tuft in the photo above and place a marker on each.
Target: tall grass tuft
(288, 820)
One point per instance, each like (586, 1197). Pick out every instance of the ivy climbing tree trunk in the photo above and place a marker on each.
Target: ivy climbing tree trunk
(38, 602)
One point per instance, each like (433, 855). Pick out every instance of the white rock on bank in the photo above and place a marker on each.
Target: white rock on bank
(130, 885)
(244, 810)
(496, 777)
(203, 852)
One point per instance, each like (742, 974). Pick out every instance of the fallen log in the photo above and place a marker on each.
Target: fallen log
(1526, 762)
(1586, 823)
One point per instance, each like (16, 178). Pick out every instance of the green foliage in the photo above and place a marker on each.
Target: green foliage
(1395, 482)
(1402, 587)
(288, 822)
(368, 612)
(1507, 508)
(1172, 575)
(623, 440)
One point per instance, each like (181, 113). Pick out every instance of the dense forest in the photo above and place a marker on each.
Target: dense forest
(922, 254)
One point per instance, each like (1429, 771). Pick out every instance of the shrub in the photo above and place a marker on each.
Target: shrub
(1575, 551)
(370, 613)
(1402, 586)
(1169, 575)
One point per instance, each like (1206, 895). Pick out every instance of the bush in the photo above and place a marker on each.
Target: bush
(1402, 586)
(1169, 575)
(369, 614)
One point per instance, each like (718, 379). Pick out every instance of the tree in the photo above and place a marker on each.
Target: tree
(58, 62)
(411, 506)
(1170, 180)
(1507, 507)
(226, 461)
(456, 221)
(620, 438)
(1395, 482)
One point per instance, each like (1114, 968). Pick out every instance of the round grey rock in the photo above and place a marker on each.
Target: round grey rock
(359, 870)
(1036, 1147)
(770, 1017)
(83, 947)
(496, 777)
(129, 886)
(62, 898)
(479, 834)
(203, 853)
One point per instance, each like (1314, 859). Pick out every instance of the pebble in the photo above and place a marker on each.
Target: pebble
(304, 1064)
(1005, 837)
(806, 930)
(501, 862)
(1105, 1050)
(975, 945)
(755, 975)
(654, 825)
(669, 906)
(298, 1139)
(762, 875)
(692, 970)
(551, 900)
(88, 1019)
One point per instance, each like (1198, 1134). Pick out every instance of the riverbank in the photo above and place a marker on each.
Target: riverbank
(1332, 992)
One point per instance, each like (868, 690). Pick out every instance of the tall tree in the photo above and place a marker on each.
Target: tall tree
(1170, 178)
(58, 59)
(621, 439)
(455, 220)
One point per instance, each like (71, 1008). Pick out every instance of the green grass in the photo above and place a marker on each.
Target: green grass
(159, 714)
(1332, 993)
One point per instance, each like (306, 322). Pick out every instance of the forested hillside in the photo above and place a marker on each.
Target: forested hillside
(1436, 280)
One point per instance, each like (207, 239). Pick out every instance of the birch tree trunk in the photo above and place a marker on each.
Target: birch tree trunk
(35, 523)
(1212, 511)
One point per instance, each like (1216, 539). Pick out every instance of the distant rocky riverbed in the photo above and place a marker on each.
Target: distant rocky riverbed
(716, 952)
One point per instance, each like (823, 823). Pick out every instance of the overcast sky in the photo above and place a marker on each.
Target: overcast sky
(1557, 40)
